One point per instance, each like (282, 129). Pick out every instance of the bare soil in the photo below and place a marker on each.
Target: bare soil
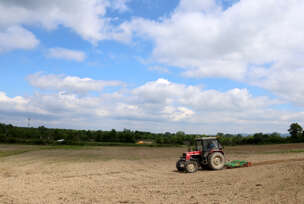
(33, 175)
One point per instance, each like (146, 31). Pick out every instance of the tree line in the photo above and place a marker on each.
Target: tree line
(43, 136)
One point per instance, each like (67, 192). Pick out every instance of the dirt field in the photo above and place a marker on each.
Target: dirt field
(29, 174)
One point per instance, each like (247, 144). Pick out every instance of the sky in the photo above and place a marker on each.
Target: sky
(198, 66)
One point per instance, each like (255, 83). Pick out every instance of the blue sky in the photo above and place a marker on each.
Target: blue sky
(196, 66)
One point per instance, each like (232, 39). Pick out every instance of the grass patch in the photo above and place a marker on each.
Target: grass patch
(14, 152)
(67, 147)
(285, 151)
(69, 144)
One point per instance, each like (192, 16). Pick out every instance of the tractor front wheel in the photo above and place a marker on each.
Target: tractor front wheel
(180, 165)
(191, 166)
(216, 161)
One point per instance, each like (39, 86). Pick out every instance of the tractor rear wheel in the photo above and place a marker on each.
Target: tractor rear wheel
(180, 166)
(216, 161)
(191, 166)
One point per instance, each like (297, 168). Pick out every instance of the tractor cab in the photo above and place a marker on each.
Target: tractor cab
(206, 144)
(208, 153)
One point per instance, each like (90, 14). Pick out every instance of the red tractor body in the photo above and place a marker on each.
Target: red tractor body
(208, 153)
(191, 154)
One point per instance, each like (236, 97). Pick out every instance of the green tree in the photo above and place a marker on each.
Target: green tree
(42, 132)
(258, 138)
(2, 137)
(127, 136)
(295, 130)
(159, 139)
(275, 138)
(220, 134)
(180, 137)
(113, 136)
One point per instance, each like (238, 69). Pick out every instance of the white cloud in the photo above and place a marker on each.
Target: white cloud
(16, 37)
(120, 5)
(286, 83)
(18, 106)
(86, 18)
(158, 105)
(162, 92)
(62, 53)
(238, 43)
(15, 101)
(155, 106)
(69, 83)
(192, 108)
(177, 114)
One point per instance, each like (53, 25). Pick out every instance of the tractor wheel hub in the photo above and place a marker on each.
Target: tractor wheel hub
(217, 161)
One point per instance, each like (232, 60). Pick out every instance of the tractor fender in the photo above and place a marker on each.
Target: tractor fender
(212, 151)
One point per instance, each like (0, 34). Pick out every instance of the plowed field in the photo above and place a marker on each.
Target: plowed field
(29, 174)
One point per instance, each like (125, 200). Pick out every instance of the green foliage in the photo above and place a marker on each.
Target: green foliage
(48, 136)
(296, 132)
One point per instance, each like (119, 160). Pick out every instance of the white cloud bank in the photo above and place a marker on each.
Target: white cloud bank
(259, 42)
(204, 39)
(69, 83)
(155, 106)
(86, 18)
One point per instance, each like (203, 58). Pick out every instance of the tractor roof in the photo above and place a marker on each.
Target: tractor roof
(207, 138)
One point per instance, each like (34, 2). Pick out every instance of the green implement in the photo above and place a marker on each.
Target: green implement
(237, 163)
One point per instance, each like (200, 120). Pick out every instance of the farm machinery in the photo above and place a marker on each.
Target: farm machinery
(208, 154)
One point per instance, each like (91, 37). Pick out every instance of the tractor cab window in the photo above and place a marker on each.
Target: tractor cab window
(198, 145)
(211, 144)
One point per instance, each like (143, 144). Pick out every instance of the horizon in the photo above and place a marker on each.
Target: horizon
(134, 130)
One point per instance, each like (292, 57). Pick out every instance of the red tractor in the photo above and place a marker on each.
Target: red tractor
(208, 153)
